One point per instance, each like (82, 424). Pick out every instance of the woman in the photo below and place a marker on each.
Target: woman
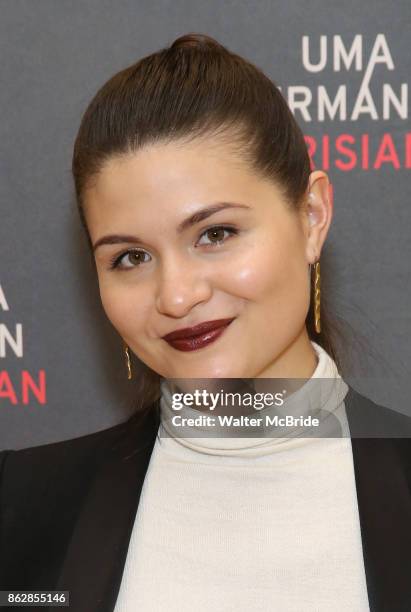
(195, 189)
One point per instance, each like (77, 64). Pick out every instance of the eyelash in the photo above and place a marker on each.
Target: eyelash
(115, 262)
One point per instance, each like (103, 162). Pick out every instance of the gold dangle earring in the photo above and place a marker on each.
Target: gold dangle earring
(128, 362)
(317, 297)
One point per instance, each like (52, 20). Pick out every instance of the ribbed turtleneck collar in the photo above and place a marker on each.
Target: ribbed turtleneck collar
(319, 397)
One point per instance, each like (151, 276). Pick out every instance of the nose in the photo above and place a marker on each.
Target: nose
(182, 285)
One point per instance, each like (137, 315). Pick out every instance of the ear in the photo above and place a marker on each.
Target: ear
(318, 213)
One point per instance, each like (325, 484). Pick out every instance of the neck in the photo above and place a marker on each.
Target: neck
(297, 360)
(321, 394)
(288, 372)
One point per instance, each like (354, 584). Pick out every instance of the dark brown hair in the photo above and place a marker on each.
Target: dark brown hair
(197, 87)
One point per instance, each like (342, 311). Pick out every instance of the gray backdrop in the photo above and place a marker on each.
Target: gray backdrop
(55, 54)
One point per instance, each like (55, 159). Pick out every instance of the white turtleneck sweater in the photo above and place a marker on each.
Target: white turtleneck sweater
(264, 524)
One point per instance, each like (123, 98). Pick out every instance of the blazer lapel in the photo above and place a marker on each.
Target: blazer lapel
(97, 551)
(384, 503)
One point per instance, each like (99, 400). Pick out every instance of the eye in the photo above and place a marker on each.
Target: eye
(135, 256)
(216, 231)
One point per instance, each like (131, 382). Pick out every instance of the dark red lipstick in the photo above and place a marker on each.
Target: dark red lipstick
(192, 338)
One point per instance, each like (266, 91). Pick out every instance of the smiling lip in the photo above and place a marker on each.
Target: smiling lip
(192, 338)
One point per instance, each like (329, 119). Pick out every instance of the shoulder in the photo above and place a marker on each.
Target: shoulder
(380, 438)
(45, 490)
(73, 458)
(47, 456)
(368, 419)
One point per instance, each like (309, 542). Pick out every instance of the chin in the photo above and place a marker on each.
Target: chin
(210, 372)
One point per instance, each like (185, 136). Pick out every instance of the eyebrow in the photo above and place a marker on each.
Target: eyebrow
(193, 219)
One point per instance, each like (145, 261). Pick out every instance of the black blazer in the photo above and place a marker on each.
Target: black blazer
(68, 508)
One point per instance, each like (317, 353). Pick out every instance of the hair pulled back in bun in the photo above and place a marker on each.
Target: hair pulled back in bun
(196, 40)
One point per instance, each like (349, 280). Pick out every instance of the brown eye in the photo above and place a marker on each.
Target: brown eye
(216, 234)
(134, 258)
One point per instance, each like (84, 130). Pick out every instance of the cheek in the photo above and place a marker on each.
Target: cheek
(274, 269)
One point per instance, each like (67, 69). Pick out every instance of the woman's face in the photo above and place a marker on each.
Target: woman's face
(248, 261)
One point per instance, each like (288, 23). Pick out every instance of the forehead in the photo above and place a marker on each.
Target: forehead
(172, 180)
(170, 163)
